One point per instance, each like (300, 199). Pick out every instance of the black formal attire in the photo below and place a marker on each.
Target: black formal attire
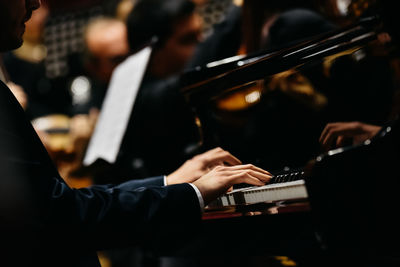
(43, 222)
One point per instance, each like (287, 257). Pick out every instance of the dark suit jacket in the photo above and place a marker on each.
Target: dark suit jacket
(45, 222)
(160, 128)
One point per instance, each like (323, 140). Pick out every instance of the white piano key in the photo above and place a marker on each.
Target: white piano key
(275, 192)
(224, 200)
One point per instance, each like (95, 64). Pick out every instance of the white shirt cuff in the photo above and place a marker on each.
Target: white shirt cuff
(199, 196)
(165, 180)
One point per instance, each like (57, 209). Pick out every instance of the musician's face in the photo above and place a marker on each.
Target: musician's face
(108, 47)
(13, 15)
(180, 46)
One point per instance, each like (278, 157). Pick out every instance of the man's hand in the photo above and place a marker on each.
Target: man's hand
(199, 165)
(335, 134)
(221, 178)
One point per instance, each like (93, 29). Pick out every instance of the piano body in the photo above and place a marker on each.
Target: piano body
(269, 109)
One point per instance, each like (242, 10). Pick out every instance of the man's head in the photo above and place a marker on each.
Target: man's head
(13, 15)
(106, 45)
(176, 26)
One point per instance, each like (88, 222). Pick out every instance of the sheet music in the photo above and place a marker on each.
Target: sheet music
(117, 107)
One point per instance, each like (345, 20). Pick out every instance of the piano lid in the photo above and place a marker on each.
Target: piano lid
(204, 82)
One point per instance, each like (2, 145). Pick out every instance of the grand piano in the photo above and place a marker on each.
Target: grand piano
(321, 208)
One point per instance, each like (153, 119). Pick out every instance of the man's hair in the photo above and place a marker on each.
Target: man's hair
(99, 23)
(150, 19)
(92, 27)
(296, 25)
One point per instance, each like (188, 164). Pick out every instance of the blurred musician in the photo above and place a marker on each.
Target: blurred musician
(106, 46)
(161, 124)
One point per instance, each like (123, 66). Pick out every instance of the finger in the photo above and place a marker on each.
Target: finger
(245, 177)
(222, 156)
(336, 136)
(262, 177)
(334, 129)
(329, 140)
(260, 170)
(325, 132)
(250, 167)
(347, 129)
(340, 141)
(213, 151)
(230, 159)
(212, 166)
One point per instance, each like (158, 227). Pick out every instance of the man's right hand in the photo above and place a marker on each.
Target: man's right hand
(221, 178)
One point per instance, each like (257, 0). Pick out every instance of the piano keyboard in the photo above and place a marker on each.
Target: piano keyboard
(289, 186)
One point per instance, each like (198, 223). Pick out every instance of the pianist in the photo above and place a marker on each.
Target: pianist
(43, 222)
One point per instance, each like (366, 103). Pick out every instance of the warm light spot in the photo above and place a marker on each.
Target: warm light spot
(343, 6)
(253, 97)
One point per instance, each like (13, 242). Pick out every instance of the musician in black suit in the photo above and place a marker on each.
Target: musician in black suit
(161, 130)
(44, 222)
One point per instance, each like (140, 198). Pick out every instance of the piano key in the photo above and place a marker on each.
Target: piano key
(269, 193)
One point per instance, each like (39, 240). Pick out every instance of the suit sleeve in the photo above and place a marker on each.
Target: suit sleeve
(42, 205)
(151, 181)
(99, 217)
(38, 206)
(127, 214)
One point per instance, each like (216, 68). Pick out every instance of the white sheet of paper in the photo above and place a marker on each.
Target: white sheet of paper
(117, 107)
